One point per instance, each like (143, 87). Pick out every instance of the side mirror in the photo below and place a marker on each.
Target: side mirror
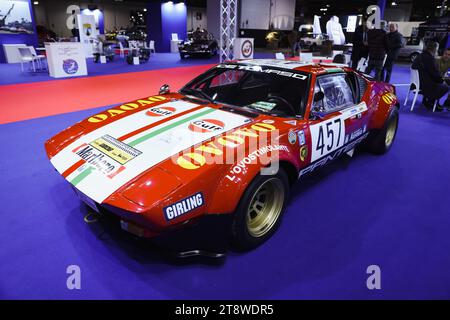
(319, 96)
(317, 110)
(165, 88)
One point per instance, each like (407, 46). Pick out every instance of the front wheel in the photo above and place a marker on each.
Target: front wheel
(259, 212)
(382, 141)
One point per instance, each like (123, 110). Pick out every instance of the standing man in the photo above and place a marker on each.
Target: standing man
(394, 41)
(359, 42)
(376, 39)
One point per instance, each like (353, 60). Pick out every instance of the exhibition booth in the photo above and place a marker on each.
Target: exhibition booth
(203, 149)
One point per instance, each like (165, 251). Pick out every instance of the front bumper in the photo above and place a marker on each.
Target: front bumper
(208, 235)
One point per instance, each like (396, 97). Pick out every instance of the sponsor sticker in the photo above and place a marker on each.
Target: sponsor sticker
(206, 125)
(291, 122)
(301, 137)
(160, 111)
(303, 153)
(268, 121)
(389, 98)
(184, 206)
(107, 155)
(263, 105)
(242, 165)
(115, 149)
(292, 137)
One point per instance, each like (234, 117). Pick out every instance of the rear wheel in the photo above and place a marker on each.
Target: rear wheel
(381, 141)
(260, 210)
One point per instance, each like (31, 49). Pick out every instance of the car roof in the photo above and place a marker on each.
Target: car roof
(308, 67)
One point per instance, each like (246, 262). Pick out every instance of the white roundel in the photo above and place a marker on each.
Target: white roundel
(292, 137)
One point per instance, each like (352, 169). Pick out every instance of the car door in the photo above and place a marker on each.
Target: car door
(336, 117)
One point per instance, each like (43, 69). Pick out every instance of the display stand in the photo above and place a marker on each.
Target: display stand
(66, 59)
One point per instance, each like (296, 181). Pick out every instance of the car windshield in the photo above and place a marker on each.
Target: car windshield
(264, 89)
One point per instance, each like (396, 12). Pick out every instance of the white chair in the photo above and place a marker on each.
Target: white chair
(151, 46)
(362, 64)
(279, 56)
(414, 86)
(27, 56)
(414, 80)
(121, 50)
(40, 58)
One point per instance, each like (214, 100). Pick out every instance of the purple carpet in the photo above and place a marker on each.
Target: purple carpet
(386, 210)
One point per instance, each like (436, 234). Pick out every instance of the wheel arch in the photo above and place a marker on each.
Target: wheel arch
(228, 193)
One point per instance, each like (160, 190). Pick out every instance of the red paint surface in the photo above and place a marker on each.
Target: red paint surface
(41, 99)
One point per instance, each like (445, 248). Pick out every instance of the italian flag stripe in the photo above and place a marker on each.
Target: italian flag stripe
(146, 137)
(153, 125)
(168, 127)
(82, 175)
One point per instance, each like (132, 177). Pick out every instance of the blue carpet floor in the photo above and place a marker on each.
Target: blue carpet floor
(386, 210)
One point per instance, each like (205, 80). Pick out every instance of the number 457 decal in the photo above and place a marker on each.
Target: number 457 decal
(326, 137)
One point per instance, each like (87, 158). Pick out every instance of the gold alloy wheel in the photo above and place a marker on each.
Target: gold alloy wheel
(390, 133)
(265, 207)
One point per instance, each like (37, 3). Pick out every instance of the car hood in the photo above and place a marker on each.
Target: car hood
(100, 162)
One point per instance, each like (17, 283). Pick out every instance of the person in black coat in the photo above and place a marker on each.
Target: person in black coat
(432, 85)
(394, 41)
(359, 41)
(376, 39)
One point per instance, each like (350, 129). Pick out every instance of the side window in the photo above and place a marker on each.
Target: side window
(337, 91)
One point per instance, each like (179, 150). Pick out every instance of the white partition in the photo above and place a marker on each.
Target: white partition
(12, 53)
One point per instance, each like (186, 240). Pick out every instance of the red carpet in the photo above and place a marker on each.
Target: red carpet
(40, 99)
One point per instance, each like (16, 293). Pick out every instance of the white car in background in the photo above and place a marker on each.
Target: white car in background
(411, 51)
(311, 41)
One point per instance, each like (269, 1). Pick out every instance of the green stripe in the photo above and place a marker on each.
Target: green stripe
(168, 127)
(81, 176)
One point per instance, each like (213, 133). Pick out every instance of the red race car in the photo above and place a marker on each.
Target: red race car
(227, 147)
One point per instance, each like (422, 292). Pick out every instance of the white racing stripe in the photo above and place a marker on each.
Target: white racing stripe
(104, 175)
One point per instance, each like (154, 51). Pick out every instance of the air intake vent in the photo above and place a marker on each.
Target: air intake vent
(362, 86)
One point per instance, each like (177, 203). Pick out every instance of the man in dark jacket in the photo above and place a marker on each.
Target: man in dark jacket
(394, 41)
(431, 83)
(359, 41)
(376, 39)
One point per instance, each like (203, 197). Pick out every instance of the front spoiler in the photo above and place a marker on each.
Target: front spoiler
(208, 236)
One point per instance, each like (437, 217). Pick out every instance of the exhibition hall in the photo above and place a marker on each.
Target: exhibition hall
(234, 150)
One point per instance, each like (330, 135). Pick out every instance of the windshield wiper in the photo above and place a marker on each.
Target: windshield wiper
(197, 92)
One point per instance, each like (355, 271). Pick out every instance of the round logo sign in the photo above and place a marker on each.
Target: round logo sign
(292, 137)
(70, 66)
(206, 125)
(247, 49)
(303, 153)
(160, 111)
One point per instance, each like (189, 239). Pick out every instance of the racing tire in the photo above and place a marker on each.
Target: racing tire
(260, 209)
(381, 141)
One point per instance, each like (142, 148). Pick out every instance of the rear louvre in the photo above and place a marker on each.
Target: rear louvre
(362, 84)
